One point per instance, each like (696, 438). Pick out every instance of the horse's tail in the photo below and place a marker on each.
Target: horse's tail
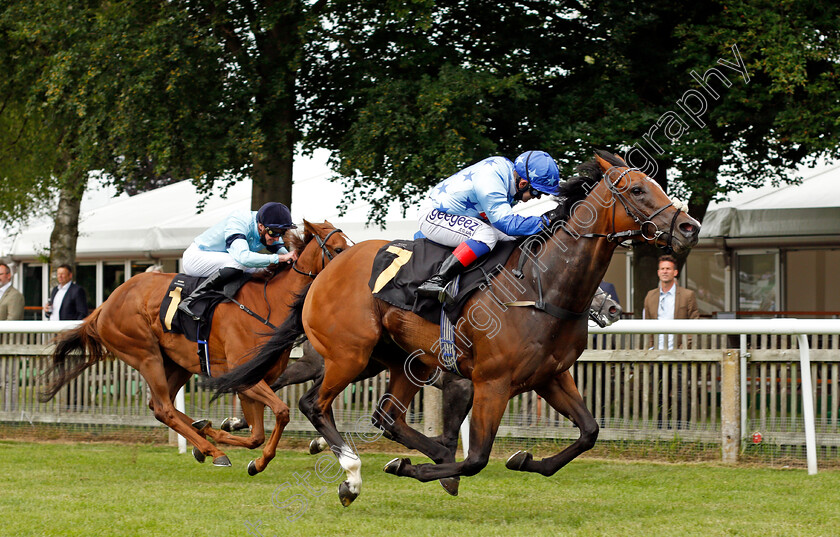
(286, 336)
(75, 350)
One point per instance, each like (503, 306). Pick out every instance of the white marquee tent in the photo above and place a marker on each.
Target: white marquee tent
(811, 208)
(163, 222)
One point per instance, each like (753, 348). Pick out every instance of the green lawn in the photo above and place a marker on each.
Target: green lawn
(126, 490)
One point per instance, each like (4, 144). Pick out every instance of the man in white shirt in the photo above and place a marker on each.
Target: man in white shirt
(669, 301)
(68, 300)
(11, 301)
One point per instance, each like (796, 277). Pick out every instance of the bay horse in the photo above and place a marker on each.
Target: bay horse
(457, 390)
(504, 350)
(127, 326)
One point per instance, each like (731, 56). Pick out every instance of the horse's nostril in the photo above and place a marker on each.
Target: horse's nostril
(613, 310)
(688, 229)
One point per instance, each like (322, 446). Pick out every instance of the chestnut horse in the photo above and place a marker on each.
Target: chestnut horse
(127, 325)
(457, 390)
(504, 350)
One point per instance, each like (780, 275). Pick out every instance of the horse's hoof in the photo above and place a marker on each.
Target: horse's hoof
(225, 426)
(395, 466)
(200, 425)
(450, 485)
(252, 468)
(221, 461)
(199, 456)
(315, 446)
(233, 424)
(345, 495)
(518, 460)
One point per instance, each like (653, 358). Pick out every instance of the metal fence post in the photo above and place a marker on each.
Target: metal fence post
(730, 406)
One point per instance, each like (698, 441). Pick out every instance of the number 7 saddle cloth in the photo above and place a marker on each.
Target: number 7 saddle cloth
(401, 266)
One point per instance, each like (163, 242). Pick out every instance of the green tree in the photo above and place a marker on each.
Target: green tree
(405, 96)
(44, 153)
(643, 58)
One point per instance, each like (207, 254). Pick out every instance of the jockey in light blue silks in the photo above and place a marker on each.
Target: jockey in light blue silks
(472, 210)
(233, 246)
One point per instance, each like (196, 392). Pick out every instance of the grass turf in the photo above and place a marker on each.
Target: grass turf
(138, 490)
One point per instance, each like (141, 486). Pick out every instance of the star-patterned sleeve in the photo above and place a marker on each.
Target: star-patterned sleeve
(492, 189)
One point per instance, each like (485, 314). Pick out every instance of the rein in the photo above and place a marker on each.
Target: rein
(326, 255)
(638, 216)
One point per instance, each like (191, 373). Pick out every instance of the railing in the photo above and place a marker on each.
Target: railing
(738, 377)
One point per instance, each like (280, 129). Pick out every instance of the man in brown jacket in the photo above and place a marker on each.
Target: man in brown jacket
(669, 301)
(11, 301)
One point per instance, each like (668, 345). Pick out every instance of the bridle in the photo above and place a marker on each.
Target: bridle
(648, 229)
(326, 255)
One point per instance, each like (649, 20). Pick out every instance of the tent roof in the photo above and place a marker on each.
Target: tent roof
(163, 222)
(809, 208)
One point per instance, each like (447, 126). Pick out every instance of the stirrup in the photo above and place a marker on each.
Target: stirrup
(184, 308)
(444, 297)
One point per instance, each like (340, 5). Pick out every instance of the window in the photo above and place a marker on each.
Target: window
(85, 276)
(757, 280)
(33, 291)
(706, 276)
(810, 284)
(113, 275)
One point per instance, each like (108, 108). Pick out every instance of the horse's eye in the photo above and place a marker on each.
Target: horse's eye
(636, 190)
(339, 250)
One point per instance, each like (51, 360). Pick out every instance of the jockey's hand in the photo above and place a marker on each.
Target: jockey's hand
(288, 258)
(549, 217)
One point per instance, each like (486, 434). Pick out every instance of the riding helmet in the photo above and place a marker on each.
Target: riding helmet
(539, 169)
(275, 215)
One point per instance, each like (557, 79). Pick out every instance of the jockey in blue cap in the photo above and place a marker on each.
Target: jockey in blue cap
(472, 210)
(232, 246)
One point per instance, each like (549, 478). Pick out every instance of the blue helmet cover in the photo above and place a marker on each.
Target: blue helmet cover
(539, 169)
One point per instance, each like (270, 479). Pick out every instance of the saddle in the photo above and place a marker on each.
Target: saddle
(401, 266)
(175, 321)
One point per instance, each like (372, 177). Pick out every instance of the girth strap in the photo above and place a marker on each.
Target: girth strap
(540, 304)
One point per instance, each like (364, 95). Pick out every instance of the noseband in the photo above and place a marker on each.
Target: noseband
(326, 255)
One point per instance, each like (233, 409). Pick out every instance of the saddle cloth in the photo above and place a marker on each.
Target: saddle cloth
(401, 266)
(175, 321)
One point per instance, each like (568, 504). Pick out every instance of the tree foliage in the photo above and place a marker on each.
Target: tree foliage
(405, 93)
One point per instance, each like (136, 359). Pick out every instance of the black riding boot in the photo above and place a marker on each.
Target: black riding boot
(214, 282)
(435, 287)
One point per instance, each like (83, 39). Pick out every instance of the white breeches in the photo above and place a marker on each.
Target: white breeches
(452, 230)
(198, 262)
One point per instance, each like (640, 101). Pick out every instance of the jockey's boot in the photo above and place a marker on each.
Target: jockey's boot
(435, 287)
(214, 282)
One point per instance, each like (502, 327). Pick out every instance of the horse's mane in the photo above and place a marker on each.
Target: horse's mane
(298, 242)
(578, 187)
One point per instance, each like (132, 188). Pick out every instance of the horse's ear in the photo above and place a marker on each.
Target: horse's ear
(307, 225)
(603, 163)
(616, 155)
